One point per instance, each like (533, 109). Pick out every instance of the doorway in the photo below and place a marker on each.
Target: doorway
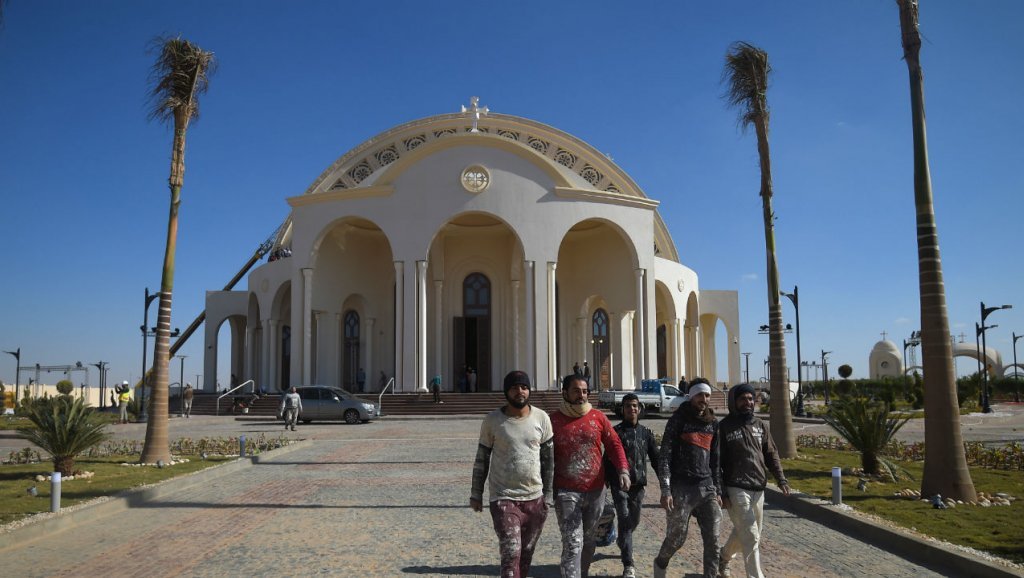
(471, 335)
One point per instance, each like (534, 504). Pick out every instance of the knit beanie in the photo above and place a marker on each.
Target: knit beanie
(515, 378)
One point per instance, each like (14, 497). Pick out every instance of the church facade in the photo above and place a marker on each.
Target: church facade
(471, 240)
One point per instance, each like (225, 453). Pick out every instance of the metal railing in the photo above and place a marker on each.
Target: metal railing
(380, 398)
(232, 390)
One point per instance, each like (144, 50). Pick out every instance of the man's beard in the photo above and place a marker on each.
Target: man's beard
(516, 403)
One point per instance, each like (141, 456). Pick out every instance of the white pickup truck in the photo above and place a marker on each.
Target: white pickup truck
(655, 397)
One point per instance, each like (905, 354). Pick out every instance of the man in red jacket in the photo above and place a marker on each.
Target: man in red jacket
(580, 433)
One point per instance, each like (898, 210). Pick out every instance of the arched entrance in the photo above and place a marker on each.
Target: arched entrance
(471, 334)
(601, 341)
(350, 351)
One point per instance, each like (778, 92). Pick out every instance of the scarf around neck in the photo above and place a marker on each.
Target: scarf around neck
(575, 410)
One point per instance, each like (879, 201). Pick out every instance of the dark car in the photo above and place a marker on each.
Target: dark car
(323, 403)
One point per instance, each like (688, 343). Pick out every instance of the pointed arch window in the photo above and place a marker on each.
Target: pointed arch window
(350, 350)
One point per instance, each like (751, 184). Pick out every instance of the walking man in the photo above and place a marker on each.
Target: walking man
(748, 452)
(639, 445)
(290, 408)
(580, 433)
(516, 451)
(186, 399)
(690, 479)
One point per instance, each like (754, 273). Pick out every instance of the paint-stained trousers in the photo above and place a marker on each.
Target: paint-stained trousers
(702, 503)
(627, 510)
(518, 525)
(578, 515)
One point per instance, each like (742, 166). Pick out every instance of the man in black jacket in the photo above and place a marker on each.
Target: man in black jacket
(639, 444)
(690, 479)
(748, 452)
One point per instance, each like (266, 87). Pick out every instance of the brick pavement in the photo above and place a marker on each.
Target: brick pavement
(382, 499)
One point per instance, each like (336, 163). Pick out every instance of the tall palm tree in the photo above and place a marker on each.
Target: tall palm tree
(746, 72)
(180, 74)
(945, 465)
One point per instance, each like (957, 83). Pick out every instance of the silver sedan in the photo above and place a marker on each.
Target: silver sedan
(320, 402)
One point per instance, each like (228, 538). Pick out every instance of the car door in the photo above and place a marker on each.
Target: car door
(332, 404)
(310, 403)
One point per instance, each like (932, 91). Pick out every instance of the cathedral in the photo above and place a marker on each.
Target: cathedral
(471, 242)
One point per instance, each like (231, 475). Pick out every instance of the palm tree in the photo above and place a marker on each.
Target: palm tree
(179, 75)
(746, 72)
(945, 465)
(64, 428)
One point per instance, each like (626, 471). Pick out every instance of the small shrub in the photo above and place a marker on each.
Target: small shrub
(867, 426)
(64, 428)
(65, 387)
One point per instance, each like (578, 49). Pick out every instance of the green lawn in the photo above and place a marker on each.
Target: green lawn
(997, 529)
(110, 478)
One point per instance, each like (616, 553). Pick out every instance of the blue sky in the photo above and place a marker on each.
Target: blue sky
(83, 173)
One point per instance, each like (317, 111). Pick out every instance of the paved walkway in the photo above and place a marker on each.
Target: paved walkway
(380, 499)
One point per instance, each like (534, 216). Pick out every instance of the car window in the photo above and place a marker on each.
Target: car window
(670, 390)
(310, 394)
(341, 393)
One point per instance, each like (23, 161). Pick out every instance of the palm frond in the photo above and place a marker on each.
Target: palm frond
(64, 427)
(746, 74)
(181, 73)
(866, 426)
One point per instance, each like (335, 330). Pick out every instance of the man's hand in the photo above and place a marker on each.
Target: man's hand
(477, 505)
(624, 481)
(666, 502)
(785, 489)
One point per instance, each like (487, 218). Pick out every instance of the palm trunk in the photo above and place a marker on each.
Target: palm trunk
(157, 446)
(945, 465)
(781, 420)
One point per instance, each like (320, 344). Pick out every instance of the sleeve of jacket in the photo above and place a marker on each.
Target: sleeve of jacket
(652, 450)
(482, 463)
(613, 446)
(771, 456)
(665, 455)
(715, 461)
(300, 405)
(547, 470)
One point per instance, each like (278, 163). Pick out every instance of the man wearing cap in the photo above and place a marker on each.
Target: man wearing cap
(124, 395)
(748, 452)
(580, 433)
(515, 453)
(690, 478)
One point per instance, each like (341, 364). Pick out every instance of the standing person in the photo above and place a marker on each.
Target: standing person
(124, 395)
(290, 408)
(576, 369)
(580, 433)
(383, 381)
(690, 479)
(748, 452)
(639, 445)
(361, 380)
(586, 372)
(435, 388)
(186, 399)
(471, 379)
(516, 450)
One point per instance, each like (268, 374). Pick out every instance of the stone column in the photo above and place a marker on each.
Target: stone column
(531, 319)
(307, 329)
(274, 355)
(368, 360)
(250, 355)
(438, 328)
(515, 324)
(421, 326)
(552, 369)
(614, 350)
(638, 330)
(339, 343)
(399, 323)
(584, 337)
(268, 354)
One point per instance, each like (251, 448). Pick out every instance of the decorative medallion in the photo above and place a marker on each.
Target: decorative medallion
(680, 285)
(475, 179)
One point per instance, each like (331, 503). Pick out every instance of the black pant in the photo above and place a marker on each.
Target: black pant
(627, 510)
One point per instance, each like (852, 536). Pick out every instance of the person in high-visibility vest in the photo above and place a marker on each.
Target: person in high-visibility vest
(124, 396)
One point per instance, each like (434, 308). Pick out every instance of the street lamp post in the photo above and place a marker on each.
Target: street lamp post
(985, 311)
(746, 372)
(1016, 386)
(824, 373)
(102, 366)
(181, 386)
(795, 298)
(142, 417)
(17, 374)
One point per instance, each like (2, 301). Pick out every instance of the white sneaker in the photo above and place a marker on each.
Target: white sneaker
(629, 572)
(659, 572)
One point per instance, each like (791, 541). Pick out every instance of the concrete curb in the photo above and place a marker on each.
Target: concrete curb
(902, 543)
(50, 524)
